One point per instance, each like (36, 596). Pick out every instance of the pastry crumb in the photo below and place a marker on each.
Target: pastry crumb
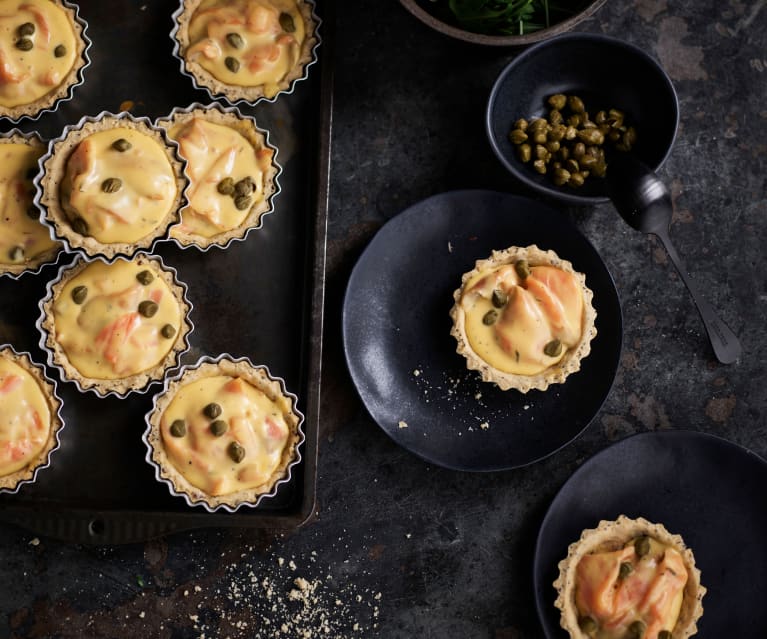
(484, 425)
(449, 247)
(402, 424)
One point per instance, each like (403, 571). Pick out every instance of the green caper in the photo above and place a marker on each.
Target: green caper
(636, 630)
(540, 166)
(557, 101)
(642, 546)
(553, 348)
(245, 186)
(33, 213)
(489, 318)
(235, 40)
(79, 225)
(540, 136)
(574, 120)
(588, 161)
(614, 116)
(517, 136)
(591, 136)
(226, 186)
(60, 51)
(212, 410)
(625, 570)
(26, 29)
(24, 44)
(555, 117)
(148, 308)
(168, 331)
(121, 145)
(16, 254)
(145, 277)
(561, 176)
(541, 153)
(242, 202)
(564, 153)
(178, 428)
(521, 124)
(572, 165)
(552, 146)
(576, 179)
(600, 117)
(499, 298)
(522, 268)
(587, 624)
(599, 169)
(575, 104)
(557, 133)
(571, 132)
(538, 124)
(111, 185)
(665, 634)
(525, 152)
(286, 22)
(236, 452)
(233, 64)
(579, 150)
(219, 427)
(79, 293)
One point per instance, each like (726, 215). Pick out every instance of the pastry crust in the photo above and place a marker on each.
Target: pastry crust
(28, 473)
(247, 128)
(260, 378)
(137, 382)
(558, 372)
(235, 93)
(60, 215)
(612, 535)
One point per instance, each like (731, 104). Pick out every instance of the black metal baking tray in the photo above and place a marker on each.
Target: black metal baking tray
(261, 298)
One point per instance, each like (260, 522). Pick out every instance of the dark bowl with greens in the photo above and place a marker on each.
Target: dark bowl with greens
(561, 109)
(502, 22)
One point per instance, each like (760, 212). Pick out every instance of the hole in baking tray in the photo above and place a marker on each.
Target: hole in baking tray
(96, 527)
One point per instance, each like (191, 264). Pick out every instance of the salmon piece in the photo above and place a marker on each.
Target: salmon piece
(9, 384)
(273, 429)
(17, 450)
(8, 74)
(596, 575)
(114, 335)
(207, 47)
(235, 385)
(82, 159)
(261, 20)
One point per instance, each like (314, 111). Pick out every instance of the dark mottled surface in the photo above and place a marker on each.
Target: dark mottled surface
(411, 549)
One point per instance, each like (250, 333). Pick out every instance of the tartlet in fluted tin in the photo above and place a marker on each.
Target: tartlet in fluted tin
(245, 50)
(224, 433)
(44, 52)
(111, 185)
(30, 419)
(115, 326)
(232, 174)
(25, 243)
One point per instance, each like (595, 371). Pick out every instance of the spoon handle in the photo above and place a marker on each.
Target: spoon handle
(726, 345)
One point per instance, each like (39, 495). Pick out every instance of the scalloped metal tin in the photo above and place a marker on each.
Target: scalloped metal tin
(138, 383)
(49, 256)
(166, 475)
(53, 167)
(255, 218)
(179, 51)
(74, 79)
(57, 422)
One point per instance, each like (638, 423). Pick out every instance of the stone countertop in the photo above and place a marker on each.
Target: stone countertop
(400, 548)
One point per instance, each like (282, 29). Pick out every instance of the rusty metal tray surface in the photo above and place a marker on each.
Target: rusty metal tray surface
(261, 298)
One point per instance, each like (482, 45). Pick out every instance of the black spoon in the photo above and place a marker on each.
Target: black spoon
(644, 201)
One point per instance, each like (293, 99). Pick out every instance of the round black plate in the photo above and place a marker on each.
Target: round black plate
(706, 489)
(402, 359)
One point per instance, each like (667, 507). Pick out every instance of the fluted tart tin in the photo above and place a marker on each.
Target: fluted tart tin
(224, 433)
(115, 326)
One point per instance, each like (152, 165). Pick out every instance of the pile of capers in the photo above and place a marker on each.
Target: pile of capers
(568, 144)
(218, 427)
(240, 192)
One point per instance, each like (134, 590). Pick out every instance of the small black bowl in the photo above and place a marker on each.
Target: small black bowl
(605, 73)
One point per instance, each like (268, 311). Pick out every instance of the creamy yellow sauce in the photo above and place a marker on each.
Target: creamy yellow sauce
(650, 591)
(253, 421)
(545, 306)
(143, 185)
(23, 236)
(108, 334)
(263, 49)
(28, 75)
(25, 418)
(215, 152)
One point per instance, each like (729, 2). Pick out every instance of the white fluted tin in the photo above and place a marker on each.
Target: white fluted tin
(12, 482)
(239, 368)
(268, 189)
(24, 229)
(74, 77)
(234, 93)
(137, 382)
(68, 225)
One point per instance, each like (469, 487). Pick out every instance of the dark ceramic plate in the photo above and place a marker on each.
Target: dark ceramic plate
(706, 489)
(402, 358)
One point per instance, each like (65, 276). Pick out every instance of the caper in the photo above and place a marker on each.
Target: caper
(522, 269)
(625, 570)
(575, 103)
(233, 64)
(219, 427)
(600, 117)
(636, 630)
(555, 117)
(111, 185)
(79, 293)
(236, 452)
(553, 348)
(539, 136)
(572, 165)
(499, 298)
(615, 116)
(525, 152)
(16, 254)
(541, 153)
(561, 176)
(587, 624)
(540, 166)
(60, 51)
(538, 124)
(579, 150)
(521, 124)
(79, 225)
(576, 179)
(552, 146)
(24, 44)
(235, 40)
(588, 160)
(571, 133)
(242, 202)
(33, 213)
(489, 318)
(557, 133)
(168, 331)
(642, 546)
(591, 136)
(226, 186)
(517, 136)
(665, 634)
(121, 145)
(26, 29)
(148, 308)
(286, 22)
(245, 186)
(557, 101)
(178, 428)
(212, 410)
(574, 120)
(145, 277)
